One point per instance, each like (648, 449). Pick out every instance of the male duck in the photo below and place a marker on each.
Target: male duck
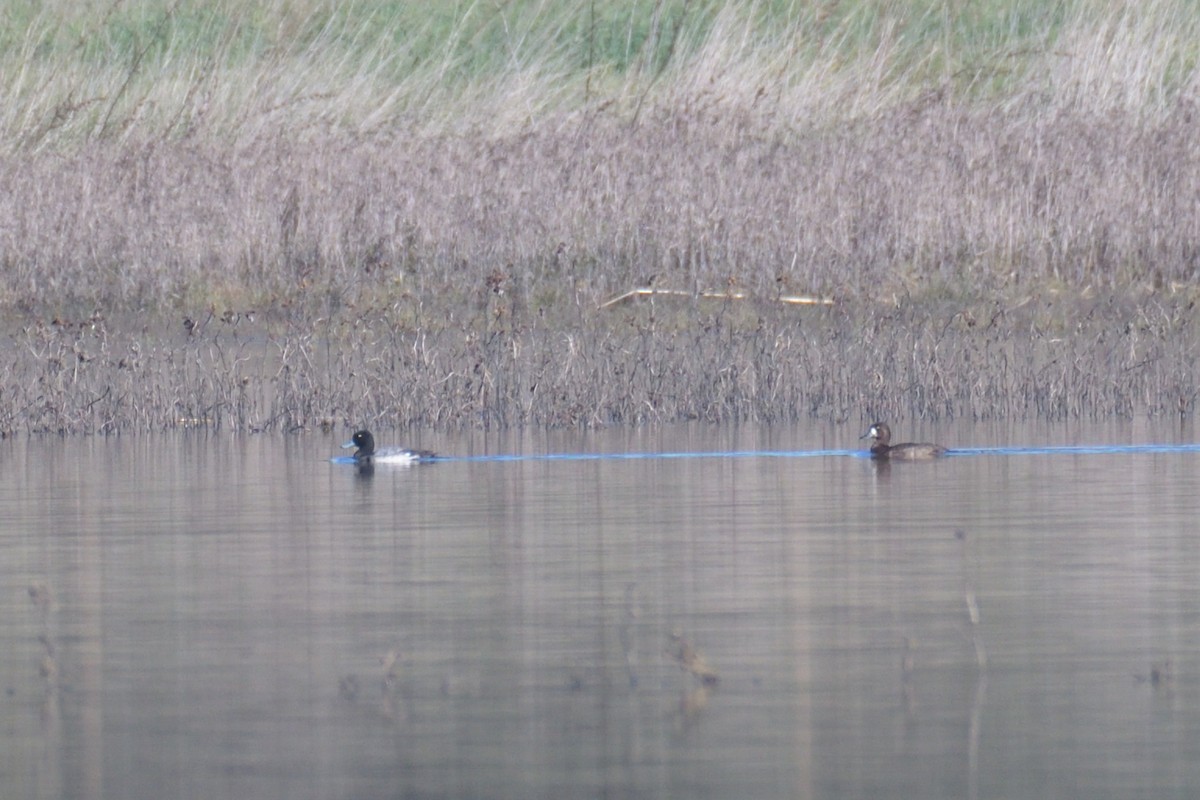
(881, 447)
(367, 454)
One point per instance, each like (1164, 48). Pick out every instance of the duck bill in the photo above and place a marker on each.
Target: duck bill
(348, 445)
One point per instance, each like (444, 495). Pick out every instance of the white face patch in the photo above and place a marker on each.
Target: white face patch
(874, 432)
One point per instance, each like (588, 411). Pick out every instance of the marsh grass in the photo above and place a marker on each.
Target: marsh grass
(729, 364)
(381, 213)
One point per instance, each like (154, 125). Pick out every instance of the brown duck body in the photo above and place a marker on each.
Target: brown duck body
(882, 448)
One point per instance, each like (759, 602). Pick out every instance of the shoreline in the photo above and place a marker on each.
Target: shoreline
(230, 218)
(707, 362)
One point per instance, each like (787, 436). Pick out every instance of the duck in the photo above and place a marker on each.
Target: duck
(882, 448)
(367, 454)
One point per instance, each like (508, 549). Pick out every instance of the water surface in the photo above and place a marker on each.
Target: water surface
(202, 616)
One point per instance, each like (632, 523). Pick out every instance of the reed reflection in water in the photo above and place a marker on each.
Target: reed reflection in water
(200, 616)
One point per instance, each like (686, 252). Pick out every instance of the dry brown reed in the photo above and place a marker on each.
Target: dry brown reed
(930, 201)
(730, 363)
(1030, 252)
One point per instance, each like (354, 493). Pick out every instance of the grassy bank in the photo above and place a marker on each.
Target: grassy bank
(434, 199)
(729, 364)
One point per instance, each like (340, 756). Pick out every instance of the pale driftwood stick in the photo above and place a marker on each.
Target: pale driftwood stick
(647, 291)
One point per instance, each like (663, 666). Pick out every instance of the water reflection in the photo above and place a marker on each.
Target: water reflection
(192, 615)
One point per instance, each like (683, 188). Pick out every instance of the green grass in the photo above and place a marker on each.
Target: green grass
(82, 72)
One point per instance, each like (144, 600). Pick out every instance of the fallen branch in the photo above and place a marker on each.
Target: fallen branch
(646, 291)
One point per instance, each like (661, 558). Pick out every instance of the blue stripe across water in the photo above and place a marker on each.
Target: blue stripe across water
(1086, 449)
(1115, 449)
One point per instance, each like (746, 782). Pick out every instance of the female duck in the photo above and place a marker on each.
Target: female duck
(367, 454)
(881, 447)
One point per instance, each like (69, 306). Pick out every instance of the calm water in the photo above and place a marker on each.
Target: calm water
(203, 616)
